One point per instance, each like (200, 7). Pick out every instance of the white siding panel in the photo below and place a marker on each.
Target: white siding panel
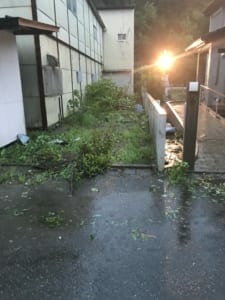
(23, 12)
(26, 49)
(73, 41)
(47, 7)
(75, 60)
(44, 18)
(52, 108)
(72, 24)
(63, 35)
(10, 3)
(67, 81)
(66, 98)
(48, 46)
(80, 10)
(76, 85)
(12, 119)
(64, 54)
(61, 14)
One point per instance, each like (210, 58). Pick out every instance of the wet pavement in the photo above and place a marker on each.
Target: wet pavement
(123, 235)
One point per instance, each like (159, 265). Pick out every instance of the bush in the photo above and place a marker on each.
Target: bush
(104, 95)
(94, 154)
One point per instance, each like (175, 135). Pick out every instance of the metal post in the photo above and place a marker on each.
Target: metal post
(191, 124)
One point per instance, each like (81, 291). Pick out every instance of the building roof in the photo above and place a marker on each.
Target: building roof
(210, 37)
(95, 12)
(114, 4)
(214, 6)
(20, 26)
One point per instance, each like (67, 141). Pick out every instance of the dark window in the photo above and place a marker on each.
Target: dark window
(122, 36)
(72, 6)
(79, 77)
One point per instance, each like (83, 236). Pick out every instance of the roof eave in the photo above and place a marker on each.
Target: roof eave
(213, 6)
(24, 26)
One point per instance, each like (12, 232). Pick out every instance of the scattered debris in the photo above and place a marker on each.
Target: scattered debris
(58, 142)
(52, 220)
(24, 139)
(138, 108)
(139, 235)
(92, 236)
(170, 128)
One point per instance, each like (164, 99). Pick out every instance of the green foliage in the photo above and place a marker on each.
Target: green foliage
(8, 175)
(94, 154)
(52, 220)
(104, 96)
(215, 188)
(178, 173)
(73, 104)
(138, 147)
(93, 136)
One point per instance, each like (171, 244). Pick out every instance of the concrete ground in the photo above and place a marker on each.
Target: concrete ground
(123, 235)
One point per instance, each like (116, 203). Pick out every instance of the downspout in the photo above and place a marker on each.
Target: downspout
(60, 100)
(39, 69)
(85, 43)
(70, 50)
(198, 66)
(79, 55)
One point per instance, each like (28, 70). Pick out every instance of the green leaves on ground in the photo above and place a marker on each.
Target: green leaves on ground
(104, 129)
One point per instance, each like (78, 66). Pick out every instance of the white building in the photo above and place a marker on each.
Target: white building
(211, 51)
(12, 120)
(118, 41)
(53, 66)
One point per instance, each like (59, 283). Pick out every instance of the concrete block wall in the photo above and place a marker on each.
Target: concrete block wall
(157, 125)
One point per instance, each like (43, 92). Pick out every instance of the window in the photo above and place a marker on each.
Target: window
(93, 78)
(72, 6)
(95, 32)
(79, 77)
(122, 36)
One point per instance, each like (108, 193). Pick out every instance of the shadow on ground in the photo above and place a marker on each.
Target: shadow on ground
(124, 235)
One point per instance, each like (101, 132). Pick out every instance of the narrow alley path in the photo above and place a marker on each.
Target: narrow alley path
(124, 235)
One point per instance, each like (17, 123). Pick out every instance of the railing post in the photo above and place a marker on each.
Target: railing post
(191, 124)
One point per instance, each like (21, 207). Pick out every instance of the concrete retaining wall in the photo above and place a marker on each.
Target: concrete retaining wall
(157, 124)
(173, 117)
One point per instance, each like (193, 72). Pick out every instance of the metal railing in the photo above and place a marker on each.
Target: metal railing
(213, 99)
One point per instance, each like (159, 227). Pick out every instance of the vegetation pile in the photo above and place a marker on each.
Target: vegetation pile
(101, 129)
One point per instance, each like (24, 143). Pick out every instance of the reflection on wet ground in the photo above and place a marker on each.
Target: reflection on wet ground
(124, 235)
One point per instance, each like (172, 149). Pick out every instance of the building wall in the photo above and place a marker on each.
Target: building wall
(12, 120)
(215, 77)
(119, 46)
(217, 20)
(27, 60)
(78, 47)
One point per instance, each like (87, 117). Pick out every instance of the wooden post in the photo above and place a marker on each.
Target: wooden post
(191, 124)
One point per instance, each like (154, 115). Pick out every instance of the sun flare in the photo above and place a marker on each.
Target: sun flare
(165, 61)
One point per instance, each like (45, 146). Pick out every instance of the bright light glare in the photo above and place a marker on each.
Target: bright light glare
(165, 61)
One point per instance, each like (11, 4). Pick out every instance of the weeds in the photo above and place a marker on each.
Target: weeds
(52, 220)
(178, 173)
(104, 129)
